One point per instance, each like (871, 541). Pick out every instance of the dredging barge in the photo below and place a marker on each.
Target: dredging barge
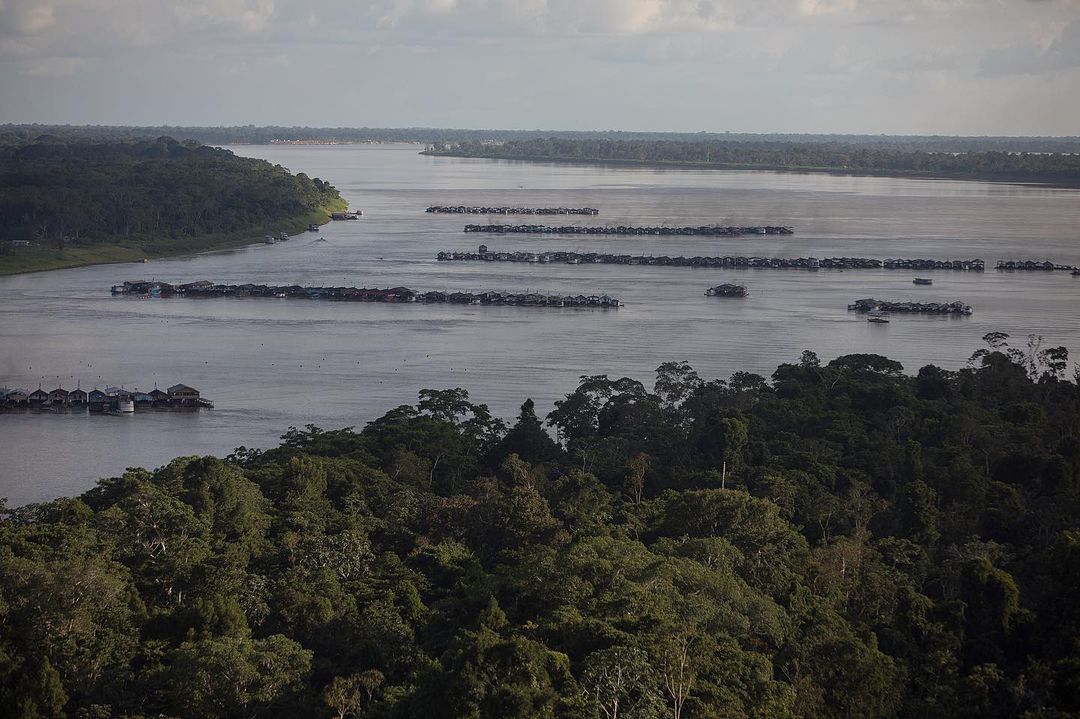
(206, 289)
(701, 230)
(726, 290)
(810, 263)
(935, 308)
(466, 210)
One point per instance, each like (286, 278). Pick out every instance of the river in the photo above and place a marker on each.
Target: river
(271, 364)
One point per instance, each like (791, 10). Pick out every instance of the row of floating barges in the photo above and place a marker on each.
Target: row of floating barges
(701, 230)
(934, 308)
(204, 288)
(114, 400)
(812, 263)
(466, 210)
(1035, 265)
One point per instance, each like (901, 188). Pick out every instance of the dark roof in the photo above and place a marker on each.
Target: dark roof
(180, 388)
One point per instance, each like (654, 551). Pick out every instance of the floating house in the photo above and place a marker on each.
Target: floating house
(38, 397)
(183, 396)
(58, 397)
(97, 400)
(16, 398)
(77, 398)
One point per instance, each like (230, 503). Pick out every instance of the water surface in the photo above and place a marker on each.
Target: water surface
(269, 364)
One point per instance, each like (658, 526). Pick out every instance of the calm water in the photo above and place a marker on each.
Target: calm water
(269, 364)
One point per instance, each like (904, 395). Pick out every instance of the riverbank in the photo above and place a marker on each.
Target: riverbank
(1005, 178)
(38, 258)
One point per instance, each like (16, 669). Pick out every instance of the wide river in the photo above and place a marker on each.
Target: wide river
(269, 363)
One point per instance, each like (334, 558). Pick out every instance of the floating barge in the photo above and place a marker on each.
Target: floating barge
(203, 289)
(810, 263)
(111, 400)
(870, 305)
(464, 210)
(726, 290)
(1033, 265)
(701, 230)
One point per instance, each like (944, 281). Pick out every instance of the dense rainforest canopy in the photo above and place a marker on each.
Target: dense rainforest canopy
(843, 540)
(918, 159)
(60, 190)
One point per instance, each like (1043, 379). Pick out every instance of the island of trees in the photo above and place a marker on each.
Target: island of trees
(841, 540)
(1061, 168)
(77, 201)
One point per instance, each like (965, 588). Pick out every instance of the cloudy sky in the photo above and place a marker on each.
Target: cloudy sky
(889, 66)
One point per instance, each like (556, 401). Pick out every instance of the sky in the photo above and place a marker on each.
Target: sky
(969, 67)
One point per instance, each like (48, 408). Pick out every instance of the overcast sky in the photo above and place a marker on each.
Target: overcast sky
(889, 66)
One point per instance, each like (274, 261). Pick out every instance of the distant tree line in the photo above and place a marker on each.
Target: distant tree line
(252, 134)
(842, 541)
(62, 189)
(772, 154)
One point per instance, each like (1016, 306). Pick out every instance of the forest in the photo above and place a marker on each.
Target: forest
(841, 540)
(769, 154)
(254, 135)
(154, 195)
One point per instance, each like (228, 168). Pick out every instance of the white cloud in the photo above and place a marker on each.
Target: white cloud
(26, 17)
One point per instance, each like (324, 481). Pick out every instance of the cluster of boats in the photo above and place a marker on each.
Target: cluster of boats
(204, 288)
(703, 230)
(465, 210)
(726, 290)
(878, 310)
(1037, 265)
(281, 237)
(811, 263)
(111, 400)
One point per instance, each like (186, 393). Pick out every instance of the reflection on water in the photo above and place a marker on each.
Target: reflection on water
(269, 364)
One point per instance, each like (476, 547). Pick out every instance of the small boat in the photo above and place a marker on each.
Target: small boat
(1075, 273)
(312, 227)
(268, 239)
(877, 316)
(283, 236)
(923, 281)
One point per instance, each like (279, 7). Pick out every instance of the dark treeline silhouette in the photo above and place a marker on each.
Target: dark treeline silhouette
(251, 134)
(59, 191)
(844, 541)
(838, 156)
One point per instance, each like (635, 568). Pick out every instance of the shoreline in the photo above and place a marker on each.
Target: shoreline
(798, 170)
(44, 259)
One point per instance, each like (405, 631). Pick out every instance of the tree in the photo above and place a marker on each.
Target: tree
(346, 695)
(230, 677)
(618, 682)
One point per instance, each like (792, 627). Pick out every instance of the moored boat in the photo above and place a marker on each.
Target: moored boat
(877, 316)
(922, 281)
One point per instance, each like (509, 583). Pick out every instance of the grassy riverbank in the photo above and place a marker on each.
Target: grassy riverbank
(39, 258)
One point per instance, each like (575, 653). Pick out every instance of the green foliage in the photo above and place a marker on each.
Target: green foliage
(83, 200)
(835, 155)
(843, 541)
